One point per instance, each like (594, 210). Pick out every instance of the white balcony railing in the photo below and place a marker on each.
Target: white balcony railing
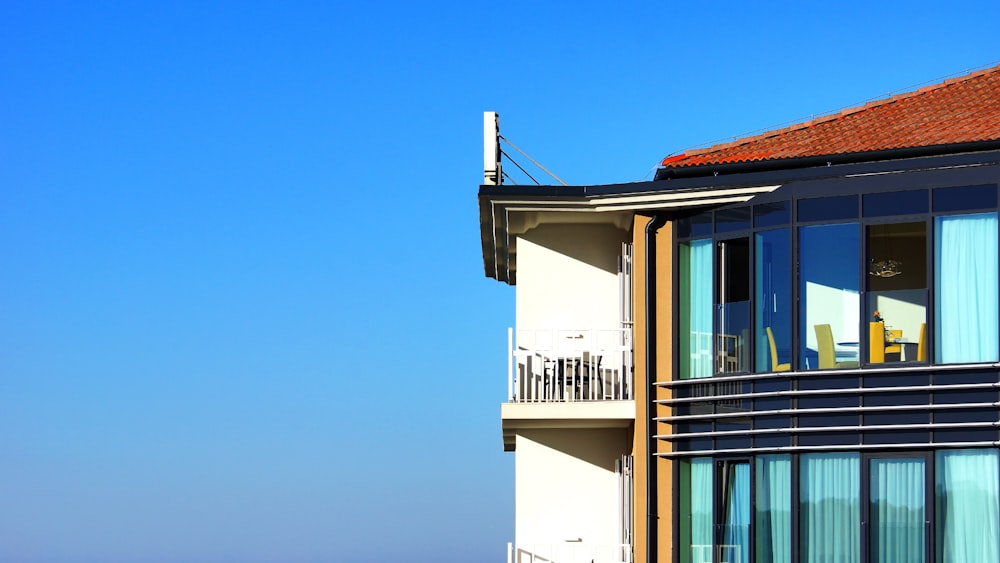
(555, 365)
(569, 552)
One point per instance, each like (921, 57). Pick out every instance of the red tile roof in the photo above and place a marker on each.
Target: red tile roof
(960, 110)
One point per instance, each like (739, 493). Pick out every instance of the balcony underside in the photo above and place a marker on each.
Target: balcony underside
(582, 415)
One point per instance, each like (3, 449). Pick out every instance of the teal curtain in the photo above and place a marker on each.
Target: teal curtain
(696, 511)
(896, 511)
(774, 509)
(968, 506)
(830, 508)
(736, 536)
(696, 309)
(965, 275)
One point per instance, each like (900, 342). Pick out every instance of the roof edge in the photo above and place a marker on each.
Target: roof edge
(828, 159)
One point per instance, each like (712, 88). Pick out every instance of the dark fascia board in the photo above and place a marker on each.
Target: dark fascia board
(822, 167)
(706, 170)
(492, 198)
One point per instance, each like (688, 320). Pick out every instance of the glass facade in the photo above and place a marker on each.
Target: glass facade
(836, 492)
(837, 391)
(849, 281)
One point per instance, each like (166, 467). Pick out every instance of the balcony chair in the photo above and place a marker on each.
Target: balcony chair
(775, 366)
(881, 343)
(827, 351)
(922, 344)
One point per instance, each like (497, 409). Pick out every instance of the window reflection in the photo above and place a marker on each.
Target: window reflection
(829, 296)
(772, 277)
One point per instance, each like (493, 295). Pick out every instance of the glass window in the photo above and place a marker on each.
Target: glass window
(896, 510)
(828, 208)
(965, 288)
(897, 292)
(771, 214)
(965, 198)
(894, 203)
(697, 226)
(733, 306)
(695, 309)
(737, 219)
(967, 505)
(829, 299)
(696, 510)
(829, 508)
(773, 313)
(735, 489)
(773, 518)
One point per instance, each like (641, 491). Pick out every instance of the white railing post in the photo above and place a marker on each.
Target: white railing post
(510, 364)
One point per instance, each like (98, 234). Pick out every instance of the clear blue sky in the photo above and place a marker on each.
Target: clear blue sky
(243, 315)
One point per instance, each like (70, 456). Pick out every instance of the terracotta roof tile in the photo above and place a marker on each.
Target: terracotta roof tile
(960, 110)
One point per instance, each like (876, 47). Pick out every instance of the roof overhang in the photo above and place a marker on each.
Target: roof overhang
(508, 211)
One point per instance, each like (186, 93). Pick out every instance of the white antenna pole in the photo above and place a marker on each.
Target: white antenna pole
(492, 173)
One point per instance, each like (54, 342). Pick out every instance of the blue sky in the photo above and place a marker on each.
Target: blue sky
(243, 314)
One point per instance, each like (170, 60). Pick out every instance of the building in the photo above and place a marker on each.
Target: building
(784, 348)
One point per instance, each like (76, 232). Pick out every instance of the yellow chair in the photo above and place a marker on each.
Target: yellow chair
(922, 344)
(881, 342)
(827, 352)
(876, 342)
(775, 366)
(891, 347)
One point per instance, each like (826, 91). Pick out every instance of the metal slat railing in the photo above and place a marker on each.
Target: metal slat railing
(558, 365)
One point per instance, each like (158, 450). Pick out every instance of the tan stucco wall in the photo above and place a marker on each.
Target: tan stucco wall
(664, 351)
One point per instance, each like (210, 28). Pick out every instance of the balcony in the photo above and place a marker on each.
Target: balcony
(562, 366)
(569, 552)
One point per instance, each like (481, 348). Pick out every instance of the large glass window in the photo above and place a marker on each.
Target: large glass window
(896, 510)
(695, 309)
(733, 306)
(829, 296)
(829, 508)
(965, 282)
(891, 523)
(772, 301)
(896, 296)
(735, 488)
(858, 289)
(968, 506)
(773, 524)
(696, 510)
